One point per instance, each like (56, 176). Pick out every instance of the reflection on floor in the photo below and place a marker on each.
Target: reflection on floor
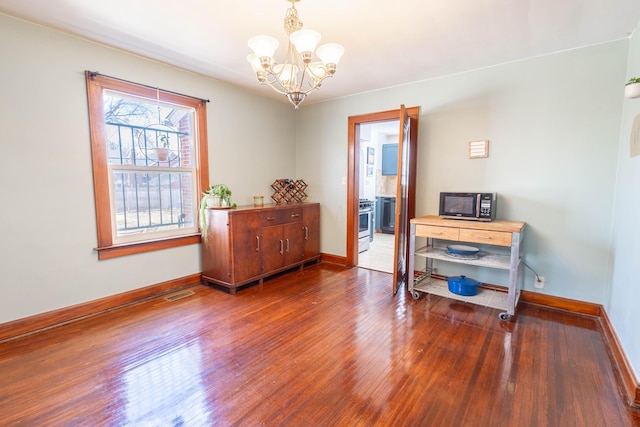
(380, 254)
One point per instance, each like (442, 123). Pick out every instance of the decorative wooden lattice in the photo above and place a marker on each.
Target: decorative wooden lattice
(288, 191)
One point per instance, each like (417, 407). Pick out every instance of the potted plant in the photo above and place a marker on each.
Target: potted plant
(162, 150)
(632, 88)
(224, 193)
(215, 196)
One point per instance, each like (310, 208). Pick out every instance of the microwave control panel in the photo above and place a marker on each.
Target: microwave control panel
(485, 206)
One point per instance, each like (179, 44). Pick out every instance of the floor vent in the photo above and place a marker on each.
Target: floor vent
(179, 295)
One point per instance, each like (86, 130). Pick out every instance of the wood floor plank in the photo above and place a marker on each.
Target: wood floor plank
(325, 345)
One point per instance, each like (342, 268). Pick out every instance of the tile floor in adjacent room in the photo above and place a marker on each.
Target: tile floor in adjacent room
(380, 254)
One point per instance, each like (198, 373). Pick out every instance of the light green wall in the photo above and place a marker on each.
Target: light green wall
(553, 123)
(622, 306)
(47, 215)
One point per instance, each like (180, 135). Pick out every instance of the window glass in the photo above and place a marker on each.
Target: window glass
(150, 157)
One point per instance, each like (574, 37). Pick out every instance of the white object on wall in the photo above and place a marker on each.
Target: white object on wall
(478, 149)
(632, 91)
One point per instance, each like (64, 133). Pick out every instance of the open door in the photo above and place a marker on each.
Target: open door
(402, 201)
(405, 187)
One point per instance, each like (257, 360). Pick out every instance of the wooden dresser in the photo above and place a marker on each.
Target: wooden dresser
(248, 243)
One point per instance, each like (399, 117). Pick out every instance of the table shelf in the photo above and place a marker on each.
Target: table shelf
(485, 259)
(485, 297)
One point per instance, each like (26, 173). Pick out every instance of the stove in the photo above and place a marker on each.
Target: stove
(366, 221)
(366, 204)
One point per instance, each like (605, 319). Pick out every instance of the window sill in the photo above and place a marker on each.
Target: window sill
(115, 251)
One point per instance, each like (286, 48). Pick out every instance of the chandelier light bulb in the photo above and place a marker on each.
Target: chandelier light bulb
(263, 46)
(305, 42)
(257, 67)
(255, 62)
(330, 53)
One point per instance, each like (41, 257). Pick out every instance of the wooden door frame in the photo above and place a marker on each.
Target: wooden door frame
(353, 163)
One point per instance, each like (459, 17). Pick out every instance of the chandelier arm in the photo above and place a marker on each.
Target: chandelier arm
(315, 80)
(303, 74)
(277, 78)
(311, 89)
(274, 81)
(295, 67)
(276, 89)
(272, 85)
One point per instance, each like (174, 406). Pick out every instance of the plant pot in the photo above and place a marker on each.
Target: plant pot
(213, 201)
(161, 154)
(632, 91)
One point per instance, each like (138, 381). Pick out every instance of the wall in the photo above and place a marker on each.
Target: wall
(622, 306)
(47, 216)
(553, 123)
(367, 184)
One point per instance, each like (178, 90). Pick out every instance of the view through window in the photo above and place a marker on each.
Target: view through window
(150, 157)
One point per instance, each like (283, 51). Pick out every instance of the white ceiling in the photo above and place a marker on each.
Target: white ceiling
(387, 43)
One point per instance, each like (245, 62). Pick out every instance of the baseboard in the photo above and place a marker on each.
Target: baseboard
(629, 380)
(560, 303)
(39, 322)
(334, 259)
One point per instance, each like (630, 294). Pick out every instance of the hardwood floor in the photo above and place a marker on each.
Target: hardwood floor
(322, 346)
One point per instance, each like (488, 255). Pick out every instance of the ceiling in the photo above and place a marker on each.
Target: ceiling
(386, 43)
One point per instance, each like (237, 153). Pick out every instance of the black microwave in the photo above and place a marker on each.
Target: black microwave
(472, 206)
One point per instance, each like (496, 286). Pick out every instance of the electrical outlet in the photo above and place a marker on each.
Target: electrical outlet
(538, 282)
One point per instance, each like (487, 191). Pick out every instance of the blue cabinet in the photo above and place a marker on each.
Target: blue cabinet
(389, 159)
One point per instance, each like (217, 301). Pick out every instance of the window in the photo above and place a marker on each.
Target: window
(149, 150)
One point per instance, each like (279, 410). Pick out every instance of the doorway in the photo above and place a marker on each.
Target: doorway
(406, 152)
(377, 183)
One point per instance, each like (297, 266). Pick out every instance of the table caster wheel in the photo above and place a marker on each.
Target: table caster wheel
(504, 316)
(415, 295)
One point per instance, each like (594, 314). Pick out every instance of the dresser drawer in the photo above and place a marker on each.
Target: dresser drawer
(499, 238)
(446, 233)
(280, 216)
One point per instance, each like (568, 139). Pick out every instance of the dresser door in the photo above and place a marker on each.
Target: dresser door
(246, 246)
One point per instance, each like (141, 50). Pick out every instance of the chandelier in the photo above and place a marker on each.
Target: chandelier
(299, 74)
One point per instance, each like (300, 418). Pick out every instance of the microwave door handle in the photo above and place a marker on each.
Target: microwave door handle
(478, 197)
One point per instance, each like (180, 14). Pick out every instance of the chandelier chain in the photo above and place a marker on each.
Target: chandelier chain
(291, 21)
